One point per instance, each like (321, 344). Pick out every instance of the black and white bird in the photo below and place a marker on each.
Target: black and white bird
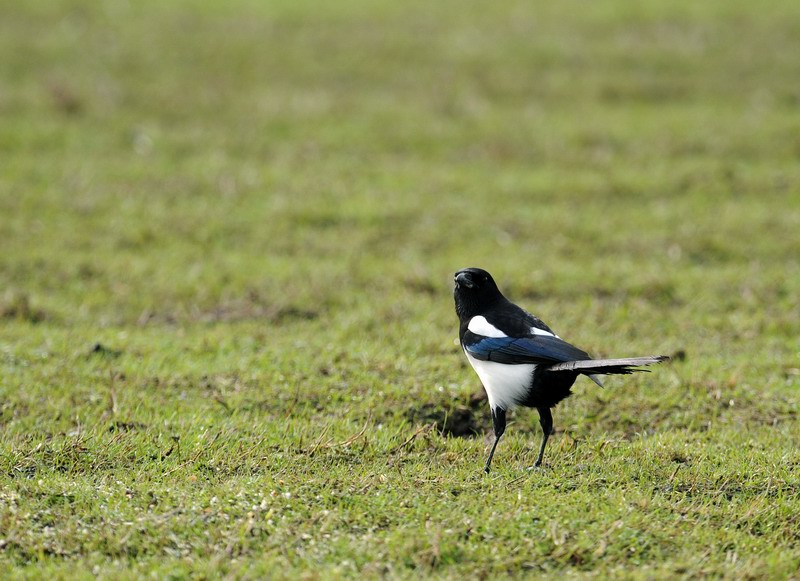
(519, 359)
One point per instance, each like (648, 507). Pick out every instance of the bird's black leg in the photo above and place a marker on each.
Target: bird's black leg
(499, 423)
(546, 420)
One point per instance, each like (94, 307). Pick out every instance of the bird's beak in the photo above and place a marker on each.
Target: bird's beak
(462, 279)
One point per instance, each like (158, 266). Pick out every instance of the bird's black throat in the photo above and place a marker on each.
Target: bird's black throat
(475, 292)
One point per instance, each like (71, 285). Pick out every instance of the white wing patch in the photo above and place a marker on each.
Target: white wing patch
(538, 331)
(506, 385)
(480, 326)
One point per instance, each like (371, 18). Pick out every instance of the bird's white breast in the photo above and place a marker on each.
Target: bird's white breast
(506, 385)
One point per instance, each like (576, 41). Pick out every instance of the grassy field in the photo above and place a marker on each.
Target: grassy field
(227, 238)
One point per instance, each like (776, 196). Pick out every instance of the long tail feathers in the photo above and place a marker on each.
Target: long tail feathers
(608, 366)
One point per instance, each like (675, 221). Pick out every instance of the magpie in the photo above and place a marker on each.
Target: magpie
(519, 359)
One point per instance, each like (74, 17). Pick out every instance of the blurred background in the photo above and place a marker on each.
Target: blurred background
(216, 160)
(228, 230)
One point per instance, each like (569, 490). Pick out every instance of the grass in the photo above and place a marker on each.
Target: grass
(228, 234)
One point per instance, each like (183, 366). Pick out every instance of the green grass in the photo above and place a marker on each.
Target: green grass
(255, 209)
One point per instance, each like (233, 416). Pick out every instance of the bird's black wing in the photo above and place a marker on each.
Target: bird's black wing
(515, 321)
(518, 350)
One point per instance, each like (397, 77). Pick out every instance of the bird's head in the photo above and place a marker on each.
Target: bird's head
(474, 290)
